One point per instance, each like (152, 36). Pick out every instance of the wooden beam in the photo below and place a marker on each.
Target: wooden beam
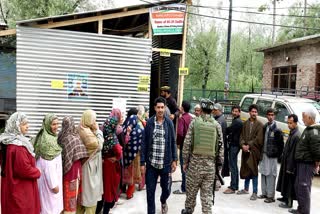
(100, 26)
(170, 50)
(7, 32)
(183, 60)
(93, 19)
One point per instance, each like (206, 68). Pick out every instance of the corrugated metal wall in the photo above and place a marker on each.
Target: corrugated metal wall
(113, 65)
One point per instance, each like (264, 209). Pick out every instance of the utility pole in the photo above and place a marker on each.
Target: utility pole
(226, 82)
(305, 18)
(274, 21)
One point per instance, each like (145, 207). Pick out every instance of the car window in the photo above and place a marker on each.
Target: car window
(263, 106)
(246, 103)
(281, 112)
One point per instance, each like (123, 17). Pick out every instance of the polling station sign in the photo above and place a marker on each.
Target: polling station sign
(167, 19)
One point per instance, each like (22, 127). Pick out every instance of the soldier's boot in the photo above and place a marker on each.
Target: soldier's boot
(186, 211)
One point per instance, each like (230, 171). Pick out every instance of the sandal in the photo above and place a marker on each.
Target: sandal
(178, 192)
(242, 192)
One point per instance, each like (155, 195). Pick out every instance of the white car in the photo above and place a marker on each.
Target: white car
(283, 106)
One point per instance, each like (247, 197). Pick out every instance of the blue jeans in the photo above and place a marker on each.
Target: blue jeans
(152, 175)
(254, 183)
(183, 174)
(233, 165)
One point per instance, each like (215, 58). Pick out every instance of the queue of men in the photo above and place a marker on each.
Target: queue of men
(262, 147)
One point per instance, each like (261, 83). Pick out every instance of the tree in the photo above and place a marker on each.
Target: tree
(15, 10)
(312, 21)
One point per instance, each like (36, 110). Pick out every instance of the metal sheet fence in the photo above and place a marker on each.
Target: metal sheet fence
(67, 72)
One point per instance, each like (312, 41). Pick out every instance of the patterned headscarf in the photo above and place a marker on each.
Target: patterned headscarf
(117, 114)
(109, 134)
(12, 133)
(134, 144)
(69, 140)
(45, 143)
(87, 136)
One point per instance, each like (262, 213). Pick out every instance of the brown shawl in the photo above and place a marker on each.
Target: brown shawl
(250, 160)
(72, 147)
(86, 131)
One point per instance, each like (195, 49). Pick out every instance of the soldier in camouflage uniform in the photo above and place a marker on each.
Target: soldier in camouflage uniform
(200, 161)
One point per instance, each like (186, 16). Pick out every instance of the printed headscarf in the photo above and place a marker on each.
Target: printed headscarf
(134, 145)
(72, 147)
(87, 136)
(12, 133)
(117, 114)
(109, 134)
(45, 143)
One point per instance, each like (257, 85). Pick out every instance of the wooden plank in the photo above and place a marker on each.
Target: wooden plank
(7, 32)
(183, 60)
(93, 19)
(170, 50)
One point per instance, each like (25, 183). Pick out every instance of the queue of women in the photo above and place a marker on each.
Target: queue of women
(82, 169)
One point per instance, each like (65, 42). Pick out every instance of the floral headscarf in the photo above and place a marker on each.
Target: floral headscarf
(12, 133)
(109, 134)
(134, 144)
(45, 143)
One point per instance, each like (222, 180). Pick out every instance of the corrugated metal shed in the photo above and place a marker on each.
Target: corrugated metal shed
(110, 67)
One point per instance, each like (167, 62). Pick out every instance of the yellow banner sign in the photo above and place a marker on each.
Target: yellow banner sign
(142, 88)
(144, 80)
(165, 52)
(183, 71)
(58, 84)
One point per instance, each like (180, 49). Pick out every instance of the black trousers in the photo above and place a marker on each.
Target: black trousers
(303, 182)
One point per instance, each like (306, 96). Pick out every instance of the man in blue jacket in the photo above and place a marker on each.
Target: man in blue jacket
(159, 155)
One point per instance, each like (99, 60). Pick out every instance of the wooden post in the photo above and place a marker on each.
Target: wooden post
(183, 60)
(100, 26)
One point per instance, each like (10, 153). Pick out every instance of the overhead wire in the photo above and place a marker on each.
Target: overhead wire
(241, 21)
(258, 13)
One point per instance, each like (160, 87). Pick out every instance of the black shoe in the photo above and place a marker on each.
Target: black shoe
(269, 200)
(262, 197)
(294, 211)
(283, 199)
(186, 211)
(284, 205)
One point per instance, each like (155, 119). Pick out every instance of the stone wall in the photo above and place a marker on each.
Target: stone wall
(305, 58)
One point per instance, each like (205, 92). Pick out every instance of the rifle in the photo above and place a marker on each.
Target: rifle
(217, 174)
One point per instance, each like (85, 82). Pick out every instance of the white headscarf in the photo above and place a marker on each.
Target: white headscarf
(12, 133)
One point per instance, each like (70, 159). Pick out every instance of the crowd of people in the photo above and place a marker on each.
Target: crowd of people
(84, 168)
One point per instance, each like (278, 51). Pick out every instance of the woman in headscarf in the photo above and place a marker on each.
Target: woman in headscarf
(49, 161)
(131, 159)
(19, 187)
(92, 138)
(112, 153)
(142, 123)
(73, 152)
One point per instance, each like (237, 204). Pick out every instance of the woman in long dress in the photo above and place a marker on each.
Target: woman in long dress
(49, 161)
(19, 173)
(92, 186)
(73, 152)
(131, 159)
(112, 153)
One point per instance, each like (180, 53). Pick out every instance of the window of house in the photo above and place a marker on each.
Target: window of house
(281, 112)
(246, 103)
(263, 106)
(284, 78)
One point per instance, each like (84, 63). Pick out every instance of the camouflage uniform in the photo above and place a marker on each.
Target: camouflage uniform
(200, 172)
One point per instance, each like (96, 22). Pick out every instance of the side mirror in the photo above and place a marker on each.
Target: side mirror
(286, 118)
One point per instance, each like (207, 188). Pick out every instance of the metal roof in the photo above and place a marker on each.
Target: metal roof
(298, 42)
(94, 13)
